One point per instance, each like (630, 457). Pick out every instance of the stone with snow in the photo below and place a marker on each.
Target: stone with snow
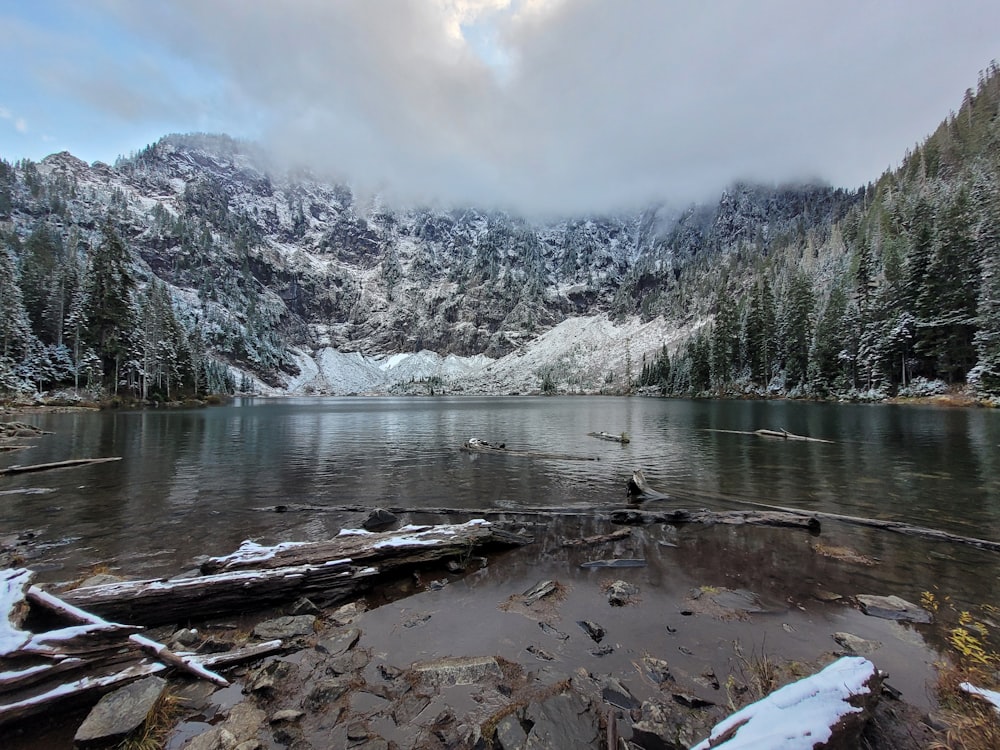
(826, 711)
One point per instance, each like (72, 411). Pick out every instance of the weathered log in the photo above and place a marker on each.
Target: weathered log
(62, 680)
(57, 465)
(256, 576)
(639, 491)
(70, 693)
(597, 539)
(897, 527)
(602, 435)
(478, 446)
(405, 546)
(780, 434)
(732, 517)
(160, 651)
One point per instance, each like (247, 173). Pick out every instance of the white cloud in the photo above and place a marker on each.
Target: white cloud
(575, 104)
(20, 124)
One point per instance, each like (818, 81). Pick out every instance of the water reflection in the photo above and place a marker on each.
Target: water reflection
(192, 481)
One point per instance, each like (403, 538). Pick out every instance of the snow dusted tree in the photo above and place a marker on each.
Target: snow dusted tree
(159, 341)
(796, 328)
(987, 338)
(16, 339)
(109, 313)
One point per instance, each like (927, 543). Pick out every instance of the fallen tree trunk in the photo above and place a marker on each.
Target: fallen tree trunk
(68, 665)
(780, 434)
(602, 435)
(733, 518)
(478, 446)
(57, 465)
(256, 576)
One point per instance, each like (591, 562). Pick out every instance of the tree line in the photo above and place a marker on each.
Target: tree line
(76, 315)
(914, 299)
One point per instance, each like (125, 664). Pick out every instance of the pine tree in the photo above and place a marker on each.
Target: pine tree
(987, 337)
(16, 339)
(109, 313)
(759, 333)
(796, 328)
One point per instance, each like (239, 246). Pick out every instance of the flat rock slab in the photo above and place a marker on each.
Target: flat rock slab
(739, 600)
(120, 712)
(241, 726)
(892, 608)
(339, 643)
(285, 627)
(856, 645)
(464, 670)
(566, 721)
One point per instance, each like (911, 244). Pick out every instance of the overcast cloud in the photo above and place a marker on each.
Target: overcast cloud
(563, 105)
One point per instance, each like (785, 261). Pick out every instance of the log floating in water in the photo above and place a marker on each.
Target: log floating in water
(57, 465)
(898, 527)
(732, 517)
(479, 446)
(602, 435)
(780, 434)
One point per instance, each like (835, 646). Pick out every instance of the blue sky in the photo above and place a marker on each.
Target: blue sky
(540, 104)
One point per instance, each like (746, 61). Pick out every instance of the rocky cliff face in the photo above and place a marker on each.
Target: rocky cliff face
(273, 261)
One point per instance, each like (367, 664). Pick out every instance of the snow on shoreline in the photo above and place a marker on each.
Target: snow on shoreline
(583, 354)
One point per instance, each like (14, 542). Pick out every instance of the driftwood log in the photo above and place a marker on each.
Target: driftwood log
(479, 446)
(602, 435)
(734, 518)
(780, 434)
(897, 527)
(639, 491)
(256, 576)
(77, 662)
(57, 465)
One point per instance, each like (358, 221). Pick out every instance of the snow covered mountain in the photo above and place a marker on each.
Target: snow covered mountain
(302, 286)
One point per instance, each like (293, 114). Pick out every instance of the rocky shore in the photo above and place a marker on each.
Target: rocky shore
(615, 641)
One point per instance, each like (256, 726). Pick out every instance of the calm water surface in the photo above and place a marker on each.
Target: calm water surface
(196, 482)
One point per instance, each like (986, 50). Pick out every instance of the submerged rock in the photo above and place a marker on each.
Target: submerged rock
(621, 593)
(892, 608)
(458, 670)
(595, 631)
(379, 519)
(855, 645)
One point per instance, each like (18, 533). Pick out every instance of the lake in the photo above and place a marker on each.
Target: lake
(199, 481)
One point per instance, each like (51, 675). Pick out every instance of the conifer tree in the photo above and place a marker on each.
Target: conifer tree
(109, 313)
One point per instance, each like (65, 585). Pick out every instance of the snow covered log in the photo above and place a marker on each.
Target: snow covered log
(256, 576)
(73, 664)
(826, 711)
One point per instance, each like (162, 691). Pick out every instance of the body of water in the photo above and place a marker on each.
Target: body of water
(198, 482)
